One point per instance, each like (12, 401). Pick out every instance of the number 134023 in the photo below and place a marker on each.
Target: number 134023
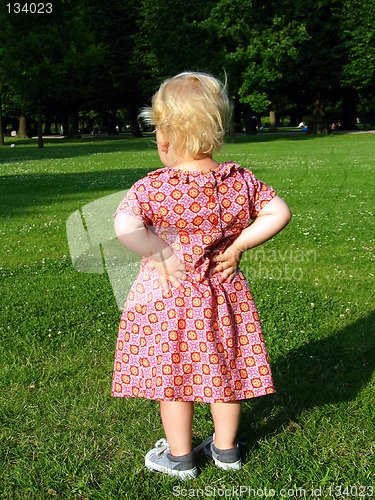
(29, 8)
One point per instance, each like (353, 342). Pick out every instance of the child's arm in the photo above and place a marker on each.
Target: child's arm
(270, 220)
(133, 234)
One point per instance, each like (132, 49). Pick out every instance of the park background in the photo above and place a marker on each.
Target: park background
(89, 67)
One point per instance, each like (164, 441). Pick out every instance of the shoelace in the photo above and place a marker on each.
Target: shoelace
(205, 443)
(161, 445)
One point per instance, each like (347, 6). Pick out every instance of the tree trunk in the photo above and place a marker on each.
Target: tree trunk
(272, 121)
(40, 125)
(73, 124)
(89, 125)
(65, 124)
(1, 124)
(134, 125)
(348, 118)
(22, 132)
(293, 119)
(318, 121)
(31, 127)
(47, 125)
(232, 125)
(111, 122)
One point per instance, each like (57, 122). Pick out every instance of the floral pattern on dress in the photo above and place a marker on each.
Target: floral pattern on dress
(204, 343)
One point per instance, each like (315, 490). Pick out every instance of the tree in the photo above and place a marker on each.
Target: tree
(284, 52)
(57, 53)
(118, 83)
(2, 85)
(358, 73)
(1, 123)
(262, 49)
(278, 56)
(179, 37)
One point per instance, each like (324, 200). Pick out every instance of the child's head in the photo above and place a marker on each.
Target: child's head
(192, 110)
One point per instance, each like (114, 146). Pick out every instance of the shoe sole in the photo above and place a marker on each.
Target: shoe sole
(184, 475)
(223, 465)
(227, 466)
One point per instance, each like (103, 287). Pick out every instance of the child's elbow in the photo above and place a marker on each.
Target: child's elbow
(119, 226)
(125, 226)
(288, 215)
(284, 211)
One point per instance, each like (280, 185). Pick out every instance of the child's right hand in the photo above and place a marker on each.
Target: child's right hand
(227, 263)
(171, 270)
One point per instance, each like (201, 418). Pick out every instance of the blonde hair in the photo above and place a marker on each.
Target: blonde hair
(192, 110)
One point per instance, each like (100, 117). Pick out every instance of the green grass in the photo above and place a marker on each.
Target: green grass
(63, 436)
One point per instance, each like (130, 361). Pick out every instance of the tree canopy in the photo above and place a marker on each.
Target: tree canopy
(91, 59)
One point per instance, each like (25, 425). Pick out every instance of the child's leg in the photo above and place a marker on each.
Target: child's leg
(226, 417)
(177, 418)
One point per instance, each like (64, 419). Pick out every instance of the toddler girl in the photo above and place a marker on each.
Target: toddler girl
(190, 330)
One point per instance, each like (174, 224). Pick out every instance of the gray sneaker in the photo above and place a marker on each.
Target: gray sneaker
(224, 459)
(159, 459)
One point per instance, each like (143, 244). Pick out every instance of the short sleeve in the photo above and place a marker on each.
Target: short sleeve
(136, 203)
(260, 194)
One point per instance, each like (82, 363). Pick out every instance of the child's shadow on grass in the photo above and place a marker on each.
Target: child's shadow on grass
(327, 371)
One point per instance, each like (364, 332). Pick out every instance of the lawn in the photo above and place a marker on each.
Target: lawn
(62, 434)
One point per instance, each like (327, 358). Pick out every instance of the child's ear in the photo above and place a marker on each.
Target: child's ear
(162, 141)
(164, 146)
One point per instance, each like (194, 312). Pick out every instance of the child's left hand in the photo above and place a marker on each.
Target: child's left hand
(227, 263)
(171, 270)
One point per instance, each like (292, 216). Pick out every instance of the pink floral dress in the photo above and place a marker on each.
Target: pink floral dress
(204, 343)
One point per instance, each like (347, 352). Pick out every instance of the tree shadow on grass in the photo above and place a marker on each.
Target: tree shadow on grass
(24, 190)
(26, 150)
(277, 136)
(56, 148)
(328, 371)
(23, 193)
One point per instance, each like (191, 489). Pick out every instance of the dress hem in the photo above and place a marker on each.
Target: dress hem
(196, 399)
